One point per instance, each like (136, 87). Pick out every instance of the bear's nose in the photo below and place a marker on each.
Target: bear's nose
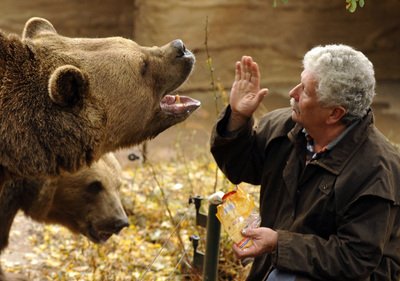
(119, 225)
(180, 47)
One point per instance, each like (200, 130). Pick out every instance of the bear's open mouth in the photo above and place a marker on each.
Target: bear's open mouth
(178, 105)
(98, 236)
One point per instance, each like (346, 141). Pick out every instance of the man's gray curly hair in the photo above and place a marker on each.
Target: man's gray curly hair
(344, 76)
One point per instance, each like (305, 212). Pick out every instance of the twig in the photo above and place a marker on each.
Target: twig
(165, 201)
(214, 90)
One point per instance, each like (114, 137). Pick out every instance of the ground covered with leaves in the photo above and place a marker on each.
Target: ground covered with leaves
(157, 244)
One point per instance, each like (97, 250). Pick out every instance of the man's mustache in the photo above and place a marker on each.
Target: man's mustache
(294, 105)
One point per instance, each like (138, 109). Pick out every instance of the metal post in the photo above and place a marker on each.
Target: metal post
(198, 257)
(201, 219)
(210, 270)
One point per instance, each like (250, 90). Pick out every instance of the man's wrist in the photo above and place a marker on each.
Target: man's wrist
(236, 121)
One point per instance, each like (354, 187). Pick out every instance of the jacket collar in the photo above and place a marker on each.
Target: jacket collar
(336, 160)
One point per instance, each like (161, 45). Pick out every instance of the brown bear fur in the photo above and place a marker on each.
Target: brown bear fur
(67, 101)
(85, 202)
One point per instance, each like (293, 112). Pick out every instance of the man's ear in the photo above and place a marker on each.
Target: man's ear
(337, 114)
(35, 26)
(68, 85)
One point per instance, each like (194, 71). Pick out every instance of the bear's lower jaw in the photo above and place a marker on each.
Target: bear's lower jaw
(178, 105)
(103, 233)
(98, 237)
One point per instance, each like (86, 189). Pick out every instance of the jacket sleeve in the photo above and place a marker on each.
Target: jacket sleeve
(237, 153)
(351, 254)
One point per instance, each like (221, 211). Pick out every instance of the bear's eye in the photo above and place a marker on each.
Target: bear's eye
(95, 187)
(143, 67)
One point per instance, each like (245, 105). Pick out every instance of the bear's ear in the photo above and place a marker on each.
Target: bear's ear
(2, 55)
(35, 26)
(68, 85)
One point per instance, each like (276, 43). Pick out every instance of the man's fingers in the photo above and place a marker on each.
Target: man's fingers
(248, 232)
(243, 67)
(239, 253)
(255, 73)
(252, 232)
(262, 93)
(247, 72)
(237, 71)
(246, 67)
(242, 253)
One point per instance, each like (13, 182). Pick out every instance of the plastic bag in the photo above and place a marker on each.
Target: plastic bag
(237, 212)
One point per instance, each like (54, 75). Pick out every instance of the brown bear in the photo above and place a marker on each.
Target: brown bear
(67, 101)
(86, 202)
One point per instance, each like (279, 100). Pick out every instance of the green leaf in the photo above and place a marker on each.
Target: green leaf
(351, 5)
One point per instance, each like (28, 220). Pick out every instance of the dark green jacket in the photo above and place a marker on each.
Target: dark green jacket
(338, 218)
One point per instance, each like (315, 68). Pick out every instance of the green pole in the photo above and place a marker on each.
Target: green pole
(210, 270)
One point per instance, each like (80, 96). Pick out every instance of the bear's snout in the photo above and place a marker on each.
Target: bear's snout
(181, 50)
(180, 47)
(119, 225)
(101, 232)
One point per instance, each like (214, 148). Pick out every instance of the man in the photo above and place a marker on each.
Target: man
(329, 197)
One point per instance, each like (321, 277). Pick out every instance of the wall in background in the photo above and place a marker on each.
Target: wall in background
(276, 37)
(78, 18)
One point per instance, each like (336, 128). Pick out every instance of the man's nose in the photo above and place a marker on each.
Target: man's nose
(294, 93)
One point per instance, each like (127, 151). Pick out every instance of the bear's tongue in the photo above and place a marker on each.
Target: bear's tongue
(178, 105)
